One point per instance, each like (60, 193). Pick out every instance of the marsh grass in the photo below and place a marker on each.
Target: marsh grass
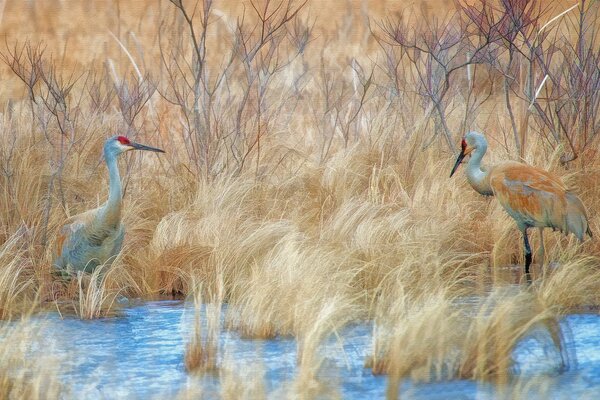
(202, 350)
(242, 381)
(94, 298)
(23, 376)
(311, 191)
(436, 340)
(15, 279)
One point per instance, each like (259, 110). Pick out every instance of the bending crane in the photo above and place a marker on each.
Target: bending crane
(95, 237)
(531, 196)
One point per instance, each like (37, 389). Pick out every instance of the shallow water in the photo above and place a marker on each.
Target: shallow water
(140, 355)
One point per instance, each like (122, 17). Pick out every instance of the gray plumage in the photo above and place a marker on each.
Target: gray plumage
(95, 237)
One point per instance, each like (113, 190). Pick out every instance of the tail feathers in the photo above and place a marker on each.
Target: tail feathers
(576, 217)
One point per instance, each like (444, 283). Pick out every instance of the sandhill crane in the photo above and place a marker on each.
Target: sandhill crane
(95, 237)
(531, 196)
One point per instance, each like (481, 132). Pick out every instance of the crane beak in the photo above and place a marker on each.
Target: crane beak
(462, 155)
(138, 146)
(464, 151)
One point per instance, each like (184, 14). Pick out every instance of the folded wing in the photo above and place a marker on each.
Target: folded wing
(535, 198)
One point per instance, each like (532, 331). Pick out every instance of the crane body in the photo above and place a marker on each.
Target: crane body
(534, 198)
(96, 236)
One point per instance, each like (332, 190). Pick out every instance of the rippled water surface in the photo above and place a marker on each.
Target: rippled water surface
(140, 355)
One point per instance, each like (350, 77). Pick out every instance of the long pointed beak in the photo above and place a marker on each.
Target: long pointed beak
(458, 161)
(138, 146)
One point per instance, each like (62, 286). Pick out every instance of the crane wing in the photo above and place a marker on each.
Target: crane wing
(534, 197)
(71, 228)
(531, 196)
(84, 242)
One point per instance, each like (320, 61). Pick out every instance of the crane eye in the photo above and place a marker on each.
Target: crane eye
(123, 140)
(463, 144)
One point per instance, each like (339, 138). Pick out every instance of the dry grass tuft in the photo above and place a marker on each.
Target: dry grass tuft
(202, 351)
(242, 381)
(16, 280)
(305, 182)
(24, 377)
(444, 337)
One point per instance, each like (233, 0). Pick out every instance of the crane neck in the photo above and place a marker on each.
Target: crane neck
(478, 177)
(112, 208)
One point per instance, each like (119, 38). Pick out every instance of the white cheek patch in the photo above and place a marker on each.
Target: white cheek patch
(123, 147)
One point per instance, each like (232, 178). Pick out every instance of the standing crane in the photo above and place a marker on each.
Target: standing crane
(531, 196)
(95, 237)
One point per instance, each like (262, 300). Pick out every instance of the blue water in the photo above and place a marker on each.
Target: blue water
(139, 354)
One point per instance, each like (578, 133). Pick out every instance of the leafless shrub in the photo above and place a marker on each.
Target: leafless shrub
(435, 52)
(101, 92)
(552, 78)
(222, 99)
(503, 25)
(572, 102)
(50, 100)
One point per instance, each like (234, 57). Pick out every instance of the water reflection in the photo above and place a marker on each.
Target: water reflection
(140, 354)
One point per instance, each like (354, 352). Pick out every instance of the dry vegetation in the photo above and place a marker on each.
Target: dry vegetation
(305, 183)
(23, 376)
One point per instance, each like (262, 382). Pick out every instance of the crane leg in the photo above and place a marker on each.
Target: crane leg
(527, 254)
(541, 249)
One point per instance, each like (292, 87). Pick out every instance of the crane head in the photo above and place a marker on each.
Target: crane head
(120, 144)
(465, 149)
